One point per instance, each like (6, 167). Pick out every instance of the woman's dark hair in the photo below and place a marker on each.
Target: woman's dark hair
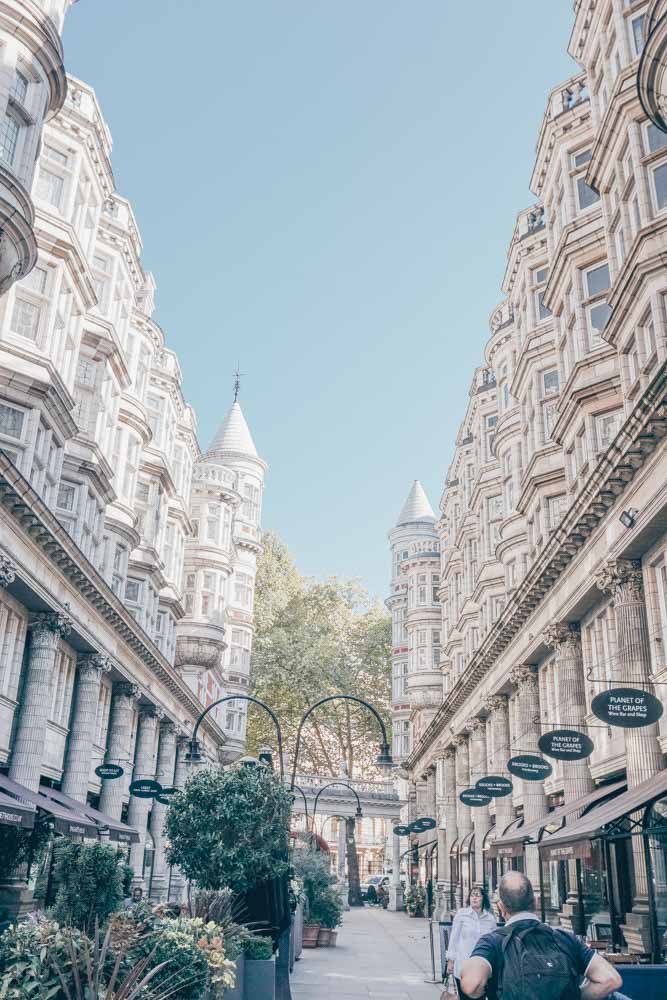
(486, 902)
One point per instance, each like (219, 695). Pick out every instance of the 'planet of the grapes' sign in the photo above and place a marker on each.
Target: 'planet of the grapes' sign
(629, 708)
(474, 798)
(495, 785)
(529, 766)
(566, 744)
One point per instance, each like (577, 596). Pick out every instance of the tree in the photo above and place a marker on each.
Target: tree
(354, 893)
(89, 884)
(315, 639)
(229, 828)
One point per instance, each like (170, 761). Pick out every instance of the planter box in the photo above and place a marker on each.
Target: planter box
(237, 992)
(324, 937)
(260, 979)
(310, 935)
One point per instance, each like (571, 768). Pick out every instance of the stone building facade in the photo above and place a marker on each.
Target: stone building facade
(548, 596)
(127, 556)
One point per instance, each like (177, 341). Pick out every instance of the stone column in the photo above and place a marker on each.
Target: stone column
(395, 888)
(450, 810)
(534, 797)
(178, 881)
(441, 833)
(498, 751)
(481, 818)
(76, 773)
(118, 747)
(463, 812)
(27, 758)
(622, 578)
(144, 767)
(412, 802)
(166, 763)
(430, 803)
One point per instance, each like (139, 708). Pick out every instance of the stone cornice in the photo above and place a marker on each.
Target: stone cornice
(42, 527)
(637, 438)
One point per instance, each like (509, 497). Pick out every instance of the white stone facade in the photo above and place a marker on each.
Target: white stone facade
(127, 558)
(547, 597)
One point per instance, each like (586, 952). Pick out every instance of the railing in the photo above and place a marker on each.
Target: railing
(372, 789)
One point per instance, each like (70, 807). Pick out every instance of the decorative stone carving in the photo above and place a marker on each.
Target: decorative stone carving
(54, 621)
(449, 753)
(523, 675)
(622, 578)
(7, 571)
(495, 703)
(476, 723)
(561, 633)
(461, 740)
(94, 663)
(124, 689)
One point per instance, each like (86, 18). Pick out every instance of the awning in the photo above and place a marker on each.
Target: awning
(13, 813)
(73, 823)
(513, 849)
(529, 831)
(575, 840)
(467, 843)
(117, 831)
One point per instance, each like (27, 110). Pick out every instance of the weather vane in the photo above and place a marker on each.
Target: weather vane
(237, 381)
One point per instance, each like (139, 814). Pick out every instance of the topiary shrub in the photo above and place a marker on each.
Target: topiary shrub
(88, 881)
(230, 828)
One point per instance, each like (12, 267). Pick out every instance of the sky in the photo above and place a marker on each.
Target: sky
(326, 190)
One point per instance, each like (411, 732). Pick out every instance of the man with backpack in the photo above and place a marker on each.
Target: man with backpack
(527, 960)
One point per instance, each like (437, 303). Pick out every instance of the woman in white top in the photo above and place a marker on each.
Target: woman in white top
(470, 922)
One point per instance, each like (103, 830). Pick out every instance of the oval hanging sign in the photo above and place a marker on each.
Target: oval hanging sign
(495, 785)
(401, 831)
(145, 788)
(161, 800)
(529, 766)
(109, 771)
(629, 708)
(169, 790)
(474, 798)
(425, 823)
(566, 744)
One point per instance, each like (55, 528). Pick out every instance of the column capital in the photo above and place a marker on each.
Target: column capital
(52, 621)
(93, 664)
(126, 690)
(562, 633)
(8, 570)
(475, 724)
(150, 712)
(621, 577)
(461, 739)
(523, 675)
(448, 753)
(496, 703)
(169, 727)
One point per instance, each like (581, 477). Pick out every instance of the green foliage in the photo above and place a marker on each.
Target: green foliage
(257, 949)
(89, 884)
(229, 828)
(328, 909)
(314, 639)
(226, 912)
(19, 846)
(313, 871)
(27, 951)
(415, 900)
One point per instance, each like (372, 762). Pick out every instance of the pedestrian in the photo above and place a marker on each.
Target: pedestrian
(470, 923)
(382, 897)
(135, 897)
(528, 960)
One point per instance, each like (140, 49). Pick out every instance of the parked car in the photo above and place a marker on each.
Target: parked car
(375, 881)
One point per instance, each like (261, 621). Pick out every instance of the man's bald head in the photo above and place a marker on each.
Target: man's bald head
(516, 893)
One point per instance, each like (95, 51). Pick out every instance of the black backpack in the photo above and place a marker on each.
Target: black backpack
(536, 966)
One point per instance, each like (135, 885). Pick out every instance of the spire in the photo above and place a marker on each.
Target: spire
(234, 436)
(416, 507)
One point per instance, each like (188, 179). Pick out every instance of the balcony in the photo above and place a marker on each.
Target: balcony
(652, 72)
(199, 646)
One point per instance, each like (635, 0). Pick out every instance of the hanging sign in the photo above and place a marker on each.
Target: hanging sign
(629, 708)
(495, 785)
(566, 744)
(145, 788)
(529, 766)
(401, 831)
(161, 800)
(474, 798)
(424, 824)
(169, 790)
(109, 771)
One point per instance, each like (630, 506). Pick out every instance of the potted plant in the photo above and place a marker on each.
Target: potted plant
(314, 872)
(329, 911)
(415, 900)
(260, 968)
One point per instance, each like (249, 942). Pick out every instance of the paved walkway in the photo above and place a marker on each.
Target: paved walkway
(379, 955)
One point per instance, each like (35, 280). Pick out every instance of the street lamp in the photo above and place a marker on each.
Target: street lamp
(194, 755)
(359, 812)
(298, 788)
(384, 758)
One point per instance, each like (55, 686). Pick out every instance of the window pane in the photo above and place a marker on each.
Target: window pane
(25, 319)
(656, 138)
(49, 187)
(586, 195)
(19, 88)
(581, 158)
(551, 382)
(9, 133)
(542, 310)
(597, 280)
(11, 421)
(660, 181)
(600, 316)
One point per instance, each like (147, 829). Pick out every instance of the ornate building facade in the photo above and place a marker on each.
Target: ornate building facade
(127, 557)
(553, 533)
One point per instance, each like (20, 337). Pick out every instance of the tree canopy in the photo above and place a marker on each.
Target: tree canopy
(313, 639)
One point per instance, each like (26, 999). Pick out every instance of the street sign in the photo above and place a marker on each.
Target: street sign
(629, 708)
(145, 788)
(109, 771)
(401, 831)
(495, 785)
(473, 798)
(566, 744)
(529, 766)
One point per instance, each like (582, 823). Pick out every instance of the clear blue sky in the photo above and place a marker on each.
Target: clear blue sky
(326, 190)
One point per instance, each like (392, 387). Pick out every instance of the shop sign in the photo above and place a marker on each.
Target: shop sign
(530, 767)
(514, 850)
(145, 788)
(109, 771)
(495, 785)
(401, 831)
(566, 744)
(169, 790)
(566, 852)
(474, 798)
(424, 824)
(629, 708)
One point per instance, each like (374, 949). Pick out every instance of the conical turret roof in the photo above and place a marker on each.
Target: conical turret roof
(233, 436)
(416, 507)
